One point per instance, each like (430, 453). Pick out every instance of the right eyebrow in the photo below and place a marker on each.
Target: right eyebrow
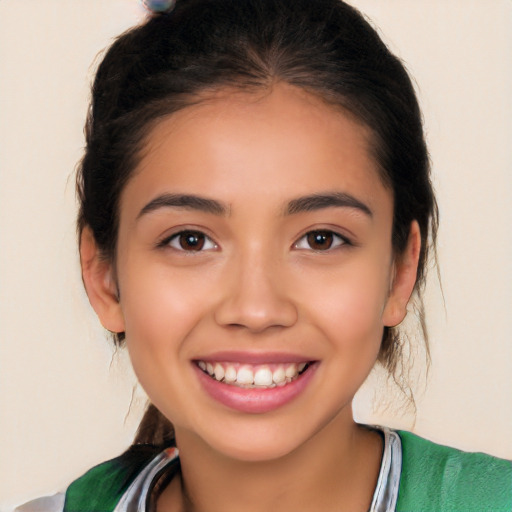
(186, 201)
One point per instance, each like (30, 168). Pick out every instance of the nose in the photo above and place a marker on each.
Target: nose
(256, 296)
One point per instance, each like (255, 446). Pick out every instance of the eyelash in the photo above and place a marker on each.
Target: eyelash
(304, 243)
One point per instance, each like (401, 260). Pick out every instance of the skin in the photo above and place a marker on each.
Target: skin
(258, 287)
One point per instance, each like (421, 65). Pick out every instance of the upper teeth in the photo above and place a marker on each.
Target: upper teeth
(246, 375)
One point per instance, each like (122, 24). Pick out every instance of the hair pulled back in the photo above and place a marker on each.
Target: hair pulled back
(325, 47)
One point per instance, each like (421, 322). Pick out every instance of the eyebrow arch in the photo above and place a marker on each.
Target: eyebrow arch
(328, 200)
(186, 201)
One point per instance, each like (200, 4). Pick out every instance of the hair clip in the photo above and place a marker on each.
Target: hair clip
(158, 6)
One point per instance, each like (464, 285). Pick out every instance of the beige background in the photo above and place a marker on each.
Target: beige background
(65, 398)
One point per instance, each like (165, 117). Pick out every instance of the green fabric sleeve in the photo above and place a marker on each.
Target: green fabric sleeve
(437, 478)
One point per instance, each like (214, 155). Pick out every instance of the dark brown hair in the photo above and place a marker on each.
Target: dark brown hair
(325, 47)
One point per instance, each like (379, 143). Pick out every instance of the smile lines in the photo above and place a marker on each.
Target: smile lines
(253, 376)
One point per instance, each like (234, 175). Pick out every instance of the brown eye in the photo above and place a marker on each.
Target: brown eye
(190, 241)
(320, 240)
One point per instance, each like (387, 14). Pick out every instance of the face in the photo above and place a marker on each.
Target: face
(255, 270)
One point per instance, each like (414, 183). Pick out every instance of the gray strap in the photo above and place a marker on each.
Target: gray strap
(386, 491)
(135, 497)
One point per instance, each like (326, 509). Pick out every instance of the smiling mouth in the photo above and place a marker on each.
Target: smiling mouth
(261, 376)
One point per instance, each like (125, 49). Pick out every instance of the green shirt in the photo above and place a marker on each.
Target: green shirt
(416, 475)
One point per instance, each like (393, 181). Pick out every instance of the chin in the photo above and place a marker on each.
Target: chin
(255, 450)
(251, 443)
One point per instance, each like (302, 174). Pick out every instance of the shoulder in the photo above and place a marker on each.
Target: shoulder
(103, 486)
(118, 484)
(440, 478)
(53, 503)
(100, 488)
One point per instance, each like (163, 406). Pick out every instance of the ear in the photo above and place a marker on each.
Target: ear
(404, 279)
(100, 285)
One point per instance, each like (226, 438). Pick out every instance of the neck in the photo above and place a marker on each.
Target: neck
(337, 469)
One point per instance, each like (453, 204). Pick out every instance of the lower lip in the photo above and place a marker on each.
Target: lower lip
(255, 400)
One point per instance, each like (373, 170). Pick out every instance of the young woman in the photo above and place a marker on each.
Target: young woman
(255, 215)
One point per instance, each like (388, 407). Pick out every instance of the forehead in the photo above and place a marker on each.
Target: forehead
(265, 143)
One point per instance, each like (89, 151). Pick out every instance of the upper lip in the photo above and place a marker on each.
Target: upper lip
(254, 357)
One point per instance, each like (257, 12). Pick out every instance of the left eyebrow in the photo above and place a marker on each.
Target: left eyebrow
(328, 200)
(185, 201)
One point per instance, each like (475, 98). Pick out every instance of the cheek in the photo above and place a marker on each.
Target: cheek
(162, 311)
(353, 299)
(161, 307)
